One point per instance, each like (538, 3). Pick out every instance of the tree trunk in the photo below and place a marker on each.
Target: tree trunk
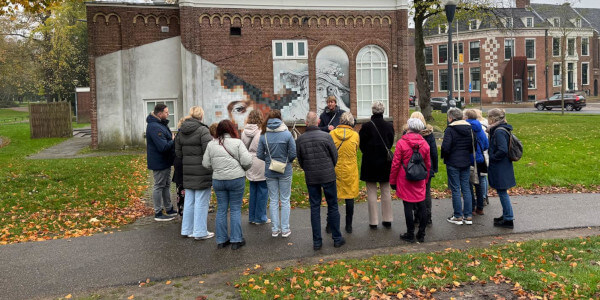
(423, 85)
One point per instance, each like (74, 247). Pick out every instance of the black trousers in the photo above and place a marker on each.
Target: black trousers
(408, 215)
(427, 203)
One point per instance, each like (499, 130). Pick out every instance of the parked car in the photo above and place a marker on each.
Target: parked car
(572, 102)
(411, 100)
(436, 103)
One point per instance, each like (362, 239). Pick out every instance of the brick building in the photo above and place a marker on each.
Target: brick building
(233, 56)
(518, 52)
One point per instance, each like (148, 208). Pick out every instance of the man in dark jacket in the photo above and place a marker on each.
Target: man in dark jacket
(317, 156)
(160, 151)
(330, 118)
(457, 149)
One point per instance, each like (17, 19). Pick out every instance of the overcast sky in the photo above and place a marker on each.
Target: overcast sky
(577, 3)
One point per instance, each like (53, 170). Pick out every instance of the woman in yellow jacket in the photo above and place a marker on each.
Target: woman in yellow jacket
(346, 170)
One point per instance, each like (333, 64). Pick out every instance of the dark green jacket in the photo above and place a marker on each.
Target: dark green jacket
(190, 145)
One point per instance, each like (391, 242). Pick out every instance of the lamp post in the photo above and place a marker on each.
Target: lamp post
(450, 7)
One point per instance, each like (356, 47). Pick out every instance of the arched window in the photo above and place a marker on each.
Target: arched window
(371, 79)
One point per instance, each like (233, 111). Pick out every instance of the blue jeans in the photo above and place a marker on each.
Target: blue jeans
(458, 181)
(480, 192)
(507, 212)
(195, 212)
(280, 190)
(229, 195)
(333, 215)
(257, 205)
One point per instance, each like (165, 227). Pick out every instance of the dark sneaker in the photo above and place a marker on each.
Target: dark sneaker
(387, 225)
(159, 217)
(372, 226)
(317, 247)
(348, 229)
(496, 220)
(340, 243)
(421, 238)
(235, 246)
(408, 238)
(223, 245)
(505, 224)
(171, 212)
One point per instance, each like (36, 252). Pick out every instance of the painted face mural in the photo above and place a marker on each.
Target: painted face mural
(332, 78)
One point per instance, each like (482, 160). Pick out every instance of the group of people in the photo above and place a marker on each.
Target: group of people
(218, 157)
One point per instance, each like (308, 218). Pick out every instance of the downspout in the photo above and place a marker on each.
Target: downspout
(546, 60)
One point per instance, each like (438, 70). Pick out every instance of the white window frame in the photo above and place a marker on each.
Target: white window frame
(173, 112)
(457, 52)
(385, 86)
(555, 22)
(432, 81)
(559, 75)
(478, 59)
(471, 78)
(578, 22)
(513, 49)
(527, 19)
(455, 81)
(559, 46)
(440, 31)
(473, 22)
(439, 55)
(432, 56)
(533, 48)
(588, 73)
(509, 22)
(534, 76)
(440, 80)
(284, 49)
(587, 45)
(574, 47)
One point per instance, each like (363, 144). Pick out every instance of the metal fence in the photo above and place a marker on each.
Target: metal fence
(50, 120)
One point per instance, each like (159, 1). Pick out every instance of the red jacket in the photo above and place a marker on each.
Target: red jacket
(409, 191)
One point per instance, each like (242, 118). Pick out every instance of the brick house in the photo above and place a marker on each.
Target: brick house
(233, 56)
(517, 52)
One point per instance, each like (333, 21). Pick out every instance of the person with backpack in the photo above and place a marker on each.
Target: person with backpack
(409, 176)
(457, 149)
(190, 145)
(500, 172)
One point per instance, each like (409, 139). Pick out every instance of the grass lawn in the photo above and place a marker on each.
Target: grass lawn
(564, 269)
(49, 199)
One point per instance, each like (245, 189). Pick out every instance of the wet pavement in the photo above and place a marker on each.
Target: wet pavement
(156, 251)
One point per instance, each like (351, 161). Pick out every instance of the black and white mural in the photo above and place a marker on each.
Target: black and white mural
(332, 66)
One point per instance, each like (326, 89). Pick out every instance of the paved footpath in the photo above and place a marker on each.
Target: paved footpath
(156, 250)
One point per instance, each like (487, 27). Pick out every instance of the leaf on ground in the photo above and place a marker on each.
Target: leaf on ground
(69, 296)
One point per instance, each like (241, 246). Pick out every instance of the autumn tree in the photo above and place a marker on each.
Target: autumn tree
(432, 13)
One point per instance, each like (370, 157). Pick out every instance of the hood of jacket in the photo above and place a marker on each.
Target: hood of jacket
(251, 130)
(427, 131)
(462, 127)
(276, 125)
(475, 125)
(189, 126)
(412, 139)
(343, 132)
(154, 119)
(505, 125)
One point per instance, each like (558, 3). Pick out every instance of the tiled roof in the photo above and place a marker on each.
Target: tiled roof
(592, 15)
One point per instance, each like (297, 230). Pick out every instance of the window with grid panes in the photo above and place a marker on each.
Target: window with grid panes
(371, 79)
(530, 49)
(170, 103)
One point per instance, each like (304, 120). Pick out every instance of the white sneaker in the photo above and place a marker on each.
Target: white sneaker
(275, 233)
(468, 221)
(457, 221)
(286, 234)
(206, 237)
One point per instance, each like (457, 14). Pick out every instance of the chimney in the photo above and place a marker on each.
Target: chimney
(523, 3)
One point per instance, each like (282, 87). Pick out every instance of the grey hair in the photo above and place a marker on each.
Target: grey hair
(347, 119)
(312, 119)
(378, 108)
(496, 114)
(455, 113)
(415, 125)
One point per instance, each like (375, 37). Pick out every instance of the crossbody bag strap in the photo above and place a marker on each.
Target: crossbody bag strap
(335, 114)
(222, 145)
(269, 150)
(384, 144)
(474, 153)
(340, 146)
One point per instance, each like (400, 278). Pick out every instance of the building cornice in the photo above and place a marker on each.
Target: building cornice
(491, 32)
(300, 4)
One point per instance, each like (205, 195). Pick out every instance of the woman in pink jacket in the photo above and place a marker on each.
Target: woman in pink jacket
(412, 192)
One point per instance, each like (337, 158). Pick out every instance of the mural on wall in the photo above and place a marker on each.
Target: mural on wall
(332, 66)
(292, 76)
(227, 96)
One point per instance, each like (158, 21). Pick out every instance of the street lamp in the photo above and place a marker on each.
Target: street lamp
(450, 7)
